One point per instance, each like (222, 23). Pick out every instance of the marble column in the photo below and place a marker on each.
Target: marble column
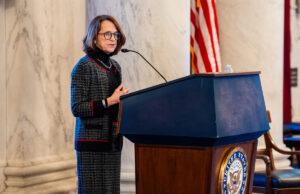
(42, 44)
(295, 57)
(160, 31)
(2, 96)
(251, 38)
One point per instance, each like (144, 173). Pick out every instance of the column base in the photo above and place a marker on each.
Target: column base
(54, 177)
(128, 182)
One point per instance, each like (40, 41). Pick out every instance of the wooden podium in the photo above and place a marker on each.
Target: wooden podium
(196, 134)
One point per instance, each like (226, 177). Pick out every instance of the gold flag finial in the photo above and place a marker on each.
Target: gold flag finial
(198, 3)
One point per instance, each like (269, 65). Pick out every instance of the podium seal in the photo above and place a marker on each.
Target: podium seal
(233, 172)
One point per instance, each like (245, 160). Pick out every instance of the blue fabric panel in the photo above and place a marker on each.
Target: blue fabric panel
(288, 178)
(292, 138)
(294, 126)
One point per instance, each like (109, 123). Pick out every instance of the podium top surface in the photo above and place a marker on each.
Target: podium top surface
(199, 109)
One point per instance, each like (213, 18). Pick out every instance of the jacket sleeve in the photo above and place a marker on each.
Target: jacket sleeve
(80, 104)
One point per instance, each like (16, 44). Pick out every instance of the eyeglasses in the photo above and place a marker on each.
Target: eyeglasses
(108, 35)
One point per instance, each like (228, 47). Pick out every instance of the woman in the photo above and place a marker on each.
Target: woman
(95, 93)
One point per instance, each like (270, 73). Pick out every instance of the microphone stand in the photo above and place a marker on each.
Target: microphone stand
(127, 50)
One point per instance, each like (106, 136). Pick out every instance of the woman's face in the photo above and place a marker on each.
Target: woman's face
(106, 45)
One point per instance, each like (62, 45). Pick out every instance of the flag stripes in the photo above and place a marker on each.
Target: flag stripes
(204, 38)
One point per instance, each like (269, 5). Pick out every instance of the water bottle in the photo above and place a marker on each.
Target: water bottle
(228, 69)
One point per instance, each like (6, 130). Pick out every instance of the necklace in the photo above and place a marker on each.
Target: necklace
(108, 67)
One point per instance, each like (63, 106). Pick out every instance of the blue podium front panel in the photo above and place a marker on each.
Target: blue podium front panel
(200, 109)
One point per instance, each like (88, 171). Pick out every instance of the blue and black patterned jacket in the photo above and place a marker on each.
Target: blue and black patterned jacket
(95, 128)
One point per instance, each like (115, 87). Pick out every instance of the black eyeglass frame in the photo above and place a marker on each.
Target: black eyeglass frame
(108, 35)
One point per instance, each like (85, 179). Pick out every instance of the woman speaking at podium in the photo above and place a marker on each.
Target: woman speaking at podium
(96, 88)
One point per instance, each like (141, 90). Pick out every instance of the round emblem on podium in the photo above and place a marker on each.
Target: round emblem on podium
(233, 172)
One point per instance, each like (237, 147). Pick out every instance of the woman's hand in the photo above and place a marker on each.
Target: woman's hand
(115, 97)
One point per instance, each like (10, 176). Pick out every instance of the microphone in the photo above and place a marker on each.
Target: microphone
(127, 50)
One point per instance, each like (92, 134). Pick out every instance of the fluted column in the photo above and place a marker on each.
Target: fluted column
(295, 57)
(2, 96)
(42, 44)
(251, 38)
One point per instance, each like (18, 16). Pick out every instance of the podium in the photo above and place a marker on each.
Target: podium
(196, 134)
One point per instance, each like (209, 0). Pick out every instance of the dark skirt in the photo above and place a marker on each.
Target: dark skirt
(98, 172)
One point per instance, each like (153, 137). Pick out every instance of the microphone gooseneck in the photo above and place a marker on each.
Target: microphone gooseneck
(124, 50)
(127, 50)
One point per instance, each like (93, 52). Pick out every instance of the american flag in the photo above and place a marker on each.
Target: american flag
(205, 43)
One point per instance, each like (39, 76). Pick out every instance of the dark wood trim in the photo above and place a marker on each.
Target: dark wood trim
(119, 117)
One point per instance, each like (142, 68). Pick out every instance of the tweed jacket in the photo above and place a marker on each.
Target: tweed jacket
(89, 86)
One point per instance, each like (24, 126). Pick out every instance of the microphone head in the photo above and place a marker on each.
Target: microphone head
(124, 50)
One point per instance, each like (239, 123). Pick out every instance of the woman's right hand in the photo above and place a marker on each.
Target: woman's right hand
(115, 97)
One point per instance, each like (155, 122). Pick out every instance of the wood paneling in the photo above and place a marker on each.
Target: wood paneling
(183, 169)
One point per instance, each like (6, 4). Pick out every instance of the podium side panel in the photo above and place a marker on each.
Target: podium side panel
(239, 105)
